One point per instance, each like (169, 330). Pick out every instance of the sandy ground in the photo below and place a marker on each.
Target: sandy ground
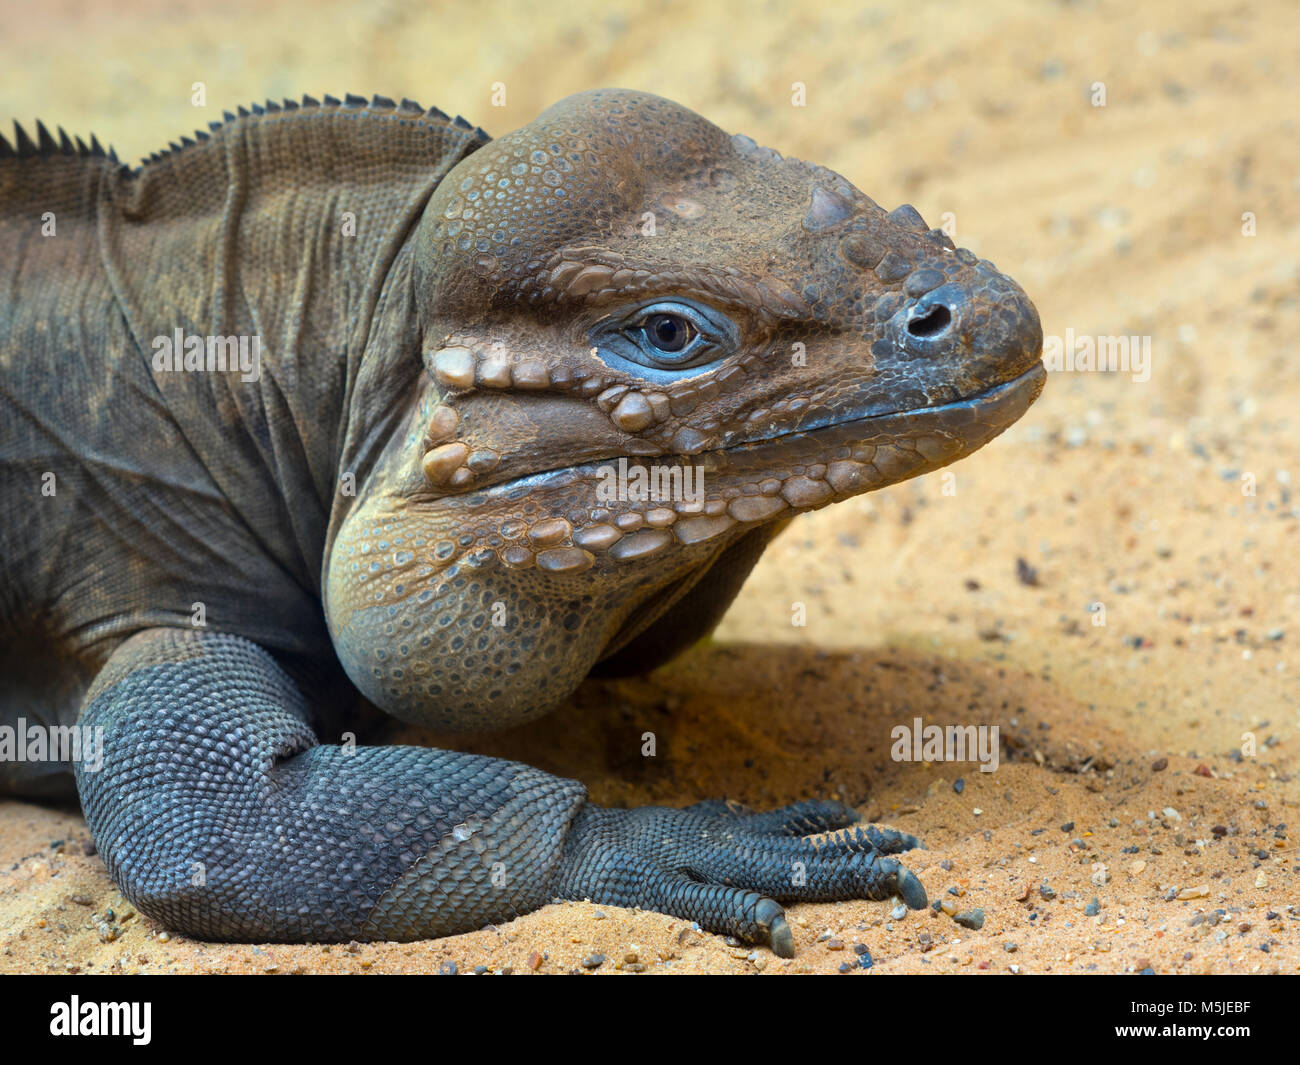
(1148, 763)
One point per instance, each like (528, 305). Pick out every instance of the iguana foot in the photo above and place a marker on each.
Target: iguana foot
(730, 868)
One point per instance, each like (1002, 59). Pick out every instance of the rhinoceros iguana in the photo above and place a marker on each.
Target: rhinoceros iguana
(345, 383)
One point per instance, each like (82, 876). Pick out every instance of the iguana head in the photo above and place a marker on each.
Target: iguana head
(621, 279)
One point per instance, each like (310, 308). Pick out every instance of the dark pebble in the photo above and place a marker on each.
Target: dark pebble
(1068, 826)
(1160, 765)
(1026, 573)
(593, 961)
(447, 968)
(1092, 909)
(973, 919)
(959, 785)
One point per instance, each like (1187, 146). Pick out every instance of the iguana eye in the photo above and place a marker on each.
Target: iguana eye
(666, 337)
(669, 332)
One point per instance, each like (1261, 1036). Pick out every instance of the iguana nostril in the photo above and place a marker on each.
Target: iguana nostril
(932, 323)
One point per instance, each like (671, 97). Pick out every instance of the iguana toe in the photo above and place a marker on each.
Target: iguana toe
(798, 819)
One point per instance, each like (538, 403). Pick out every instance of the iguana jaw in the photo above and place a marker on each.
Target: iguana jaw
(747, 484)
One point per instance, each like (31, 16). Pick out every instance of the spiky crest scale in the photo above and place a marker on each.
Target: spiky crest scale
(45, 145)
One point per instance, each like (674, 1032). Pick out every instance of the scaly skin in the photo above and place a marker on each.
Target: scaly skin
(457, 337)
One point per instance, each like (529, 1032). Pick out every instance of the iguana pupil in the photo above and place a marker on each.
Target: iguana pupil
(668, 332)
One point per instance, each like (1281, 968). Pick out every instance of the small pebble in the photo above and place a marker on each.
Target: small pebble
(593, 961)
(973, 919)
(959, 785)
(1092, 909)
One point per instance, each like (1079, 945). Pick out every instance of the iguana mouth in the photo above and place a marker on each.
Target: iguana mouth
(956, 427)
(937, 434)
(963, 424)
(571, 520)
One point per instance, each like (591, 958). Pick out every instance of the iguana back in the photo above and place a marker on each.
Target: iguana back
(140, 496)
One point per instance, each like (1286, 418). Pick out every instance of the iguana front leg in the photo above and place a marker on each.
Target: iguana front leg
(220, 815)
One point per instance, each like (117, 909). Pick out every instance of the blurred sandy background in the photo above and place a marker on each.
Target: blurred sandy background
(1122, 779)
